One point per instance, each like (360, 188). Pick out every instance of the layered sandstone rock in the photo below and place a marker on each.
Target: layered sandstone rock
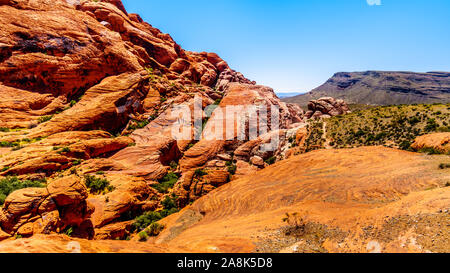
(228, 132)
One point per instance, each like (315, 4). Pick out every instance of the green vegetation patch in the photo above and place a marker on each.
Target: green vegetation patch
(394, 126)
(11, 184)
(166, 183)
(98, 185)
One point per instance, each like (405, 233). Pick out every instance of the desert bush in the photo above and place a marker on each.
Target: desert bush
(200, 173)
(97, 185)
(138, 125)
(143, 236)
(10, 184)
(154, 229)
(166, 183)
(44, 119)
(430, 151)
(271, 160)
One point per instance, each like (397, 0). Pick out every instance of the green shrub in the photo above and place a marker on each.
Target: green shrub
(166, 183)
(169, 203)
(145, 220)
(143, 236)
(271, 160)
(232, 168)
(431, 125)
(76, 162)
(64, 150)
(154, 229)
(430, 151)
(138, 125)
(149, 219)
(8, 144)
(405, 145)
(200, 173)
(98, 185)
(11, 184)
(444, 166)
(173, 165)
(69, 231)
(44, 119)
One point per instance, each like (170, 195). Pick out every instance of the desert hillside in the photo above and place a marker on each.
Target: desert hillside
(382, 88)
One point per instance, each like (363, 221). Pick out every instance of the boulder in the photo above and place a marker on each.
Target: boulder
(437, 141)
(44, 210)
(326, 107)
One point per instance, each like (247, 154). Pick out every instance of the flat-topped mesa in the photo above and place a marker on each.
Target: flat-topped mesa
(382, 88)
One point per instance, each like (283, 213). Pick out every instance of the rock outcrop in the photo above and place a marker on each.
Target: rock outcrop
(218, 139)
(326, 108)
(440, 142)
(46, 210)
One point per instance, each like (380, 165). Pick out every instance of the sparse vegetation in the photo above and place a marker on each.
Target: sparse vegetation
(63, 150)
(98, 185)
(166, 183)
(147, 222)
(232, 168)
(431, 151)
(200, 173)
(68, 231)
(271, 160)
(77, 162)
(44, 119)
(393, 126)
(135, 124)
(10, 184)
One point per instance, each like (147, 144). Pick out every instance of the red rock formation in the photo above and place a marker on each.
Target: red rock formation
(437, 141)
(86, 88)
(326, 107)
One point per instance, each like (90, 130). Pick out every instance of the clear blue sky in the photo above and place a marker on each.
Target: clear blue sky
(296, 45)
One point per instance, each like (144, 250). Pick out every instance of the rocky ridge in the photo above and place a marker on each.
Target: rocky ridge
(382, 88)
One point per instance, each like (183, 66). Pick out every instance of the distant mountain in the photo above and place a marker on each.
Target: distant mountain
(382, 88)
(288, 95)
